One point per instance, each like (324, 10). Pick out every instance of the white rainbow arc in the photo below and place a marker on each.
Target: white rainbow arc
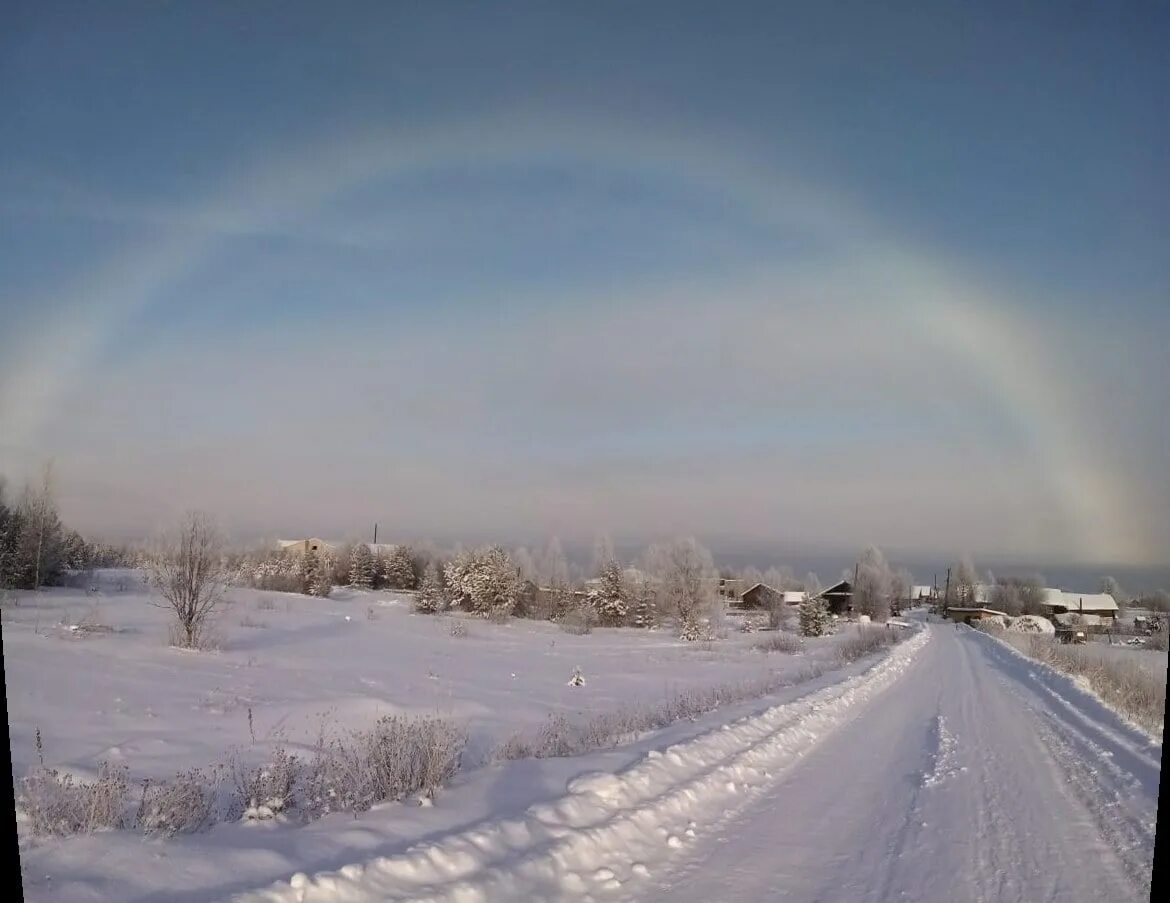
(935, 300)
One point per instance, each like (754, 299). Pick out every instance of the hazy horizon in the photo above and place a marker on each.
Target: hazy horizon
(799, 279)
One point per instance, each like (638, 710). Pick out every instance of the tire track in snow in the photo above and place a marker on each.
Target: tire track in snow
(610, 831)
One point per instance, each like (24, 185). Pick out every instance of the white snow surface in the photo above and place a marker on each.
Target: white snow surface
(951, 769)
(610, 832)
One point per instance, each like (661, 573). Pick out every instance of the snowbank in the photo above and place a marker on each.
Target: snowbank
(1031, 624)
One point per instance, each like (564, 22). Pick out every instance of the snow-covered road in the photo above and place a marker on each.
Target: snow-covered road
(954, 769)
(978, 777)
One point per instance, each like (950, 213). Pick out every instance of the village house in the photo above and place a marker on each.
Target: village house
(301, 546)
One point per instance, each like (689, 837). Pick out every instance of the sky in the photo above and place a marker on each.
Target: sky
(790, 277)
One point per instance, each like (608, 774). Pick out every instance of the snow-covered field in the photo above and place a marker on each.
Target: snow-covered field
(94, 675)
(952, 767)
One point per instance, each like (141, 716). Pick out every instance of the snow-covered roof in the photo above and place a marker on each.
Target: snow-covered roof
(1072, 618)
(289, 543)
(921, 592)
(794, 596)
(1089, 602)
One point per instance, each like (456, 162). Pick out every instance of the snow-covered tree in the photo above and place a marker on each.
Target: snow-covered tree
(684, 568)
(814, 618)
(399, 570)
(610, 599)
(484, 581)
(812, 583)
(187, 570)
(310, 567)
(873, 591)
(431, 591)
(642, 603)
(603, 552)
(553, 568)
(323, 583)
(525, 564)
(316, 573)
(966, 579)
(361, 566)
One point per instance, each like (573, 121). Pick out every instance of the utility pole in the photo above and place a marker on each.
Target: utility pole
(375, 532)
(947, 595)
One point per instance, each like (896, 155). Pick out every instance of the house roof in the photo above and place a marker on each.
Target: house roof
(1080, 601)
(841, 586)
(793, 596)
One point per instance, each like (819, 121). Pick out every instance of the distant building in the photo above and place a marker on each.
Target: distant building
(301, 546)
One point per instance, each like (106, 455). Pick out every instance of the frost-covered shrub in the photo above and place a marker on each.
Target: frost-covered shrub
(691, 629)
(276, 571)
(179, 806)
(457, 630)
(400, 755)
(57, 804)
(780, 642)
(864, 641)
(269, 790)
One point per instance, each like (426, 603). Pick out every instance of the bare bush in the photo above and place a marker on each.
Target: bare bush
(57, 805)
(179, 806)
(187, 570)
(265, 603)
(780, 642)
(399, 756)
(247, 621)
(267, 791)
(863, 641)
(457, 630)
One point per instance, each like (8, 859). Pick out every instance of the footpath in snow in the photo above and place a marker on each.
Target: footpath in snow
(612, 836)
